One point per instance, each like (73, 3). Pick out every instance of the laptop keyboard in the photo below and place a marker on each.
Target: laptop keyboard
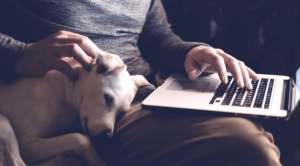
(261, 93)
(245, 98)
(230, 94)
(250, 94)
(221, 90)
(269, 93)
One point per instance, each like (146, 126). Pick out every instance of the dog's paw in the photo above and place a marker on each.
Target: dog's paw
(143, 92)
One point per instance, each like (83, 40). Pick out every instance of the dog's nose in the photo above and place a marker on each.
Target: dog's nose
(105, 136)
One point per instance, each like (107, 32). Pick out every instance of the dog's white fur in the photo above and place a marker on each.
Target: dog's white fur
(42, 109)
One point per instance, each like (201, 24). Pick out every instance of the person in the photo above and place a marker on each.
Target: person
(35, 35)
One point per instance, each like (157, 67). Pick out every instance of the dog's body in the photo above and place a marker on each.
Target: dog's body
(44, 111)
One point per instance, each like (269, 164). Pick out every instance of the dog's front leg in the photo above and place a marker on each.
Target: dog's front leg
(9, 148)
(36, 150)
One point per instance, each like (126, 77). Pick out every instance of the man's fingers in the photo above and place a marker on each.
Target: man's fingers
(211, 60)
(65, 37)
(234, 67)
(245, 74)
(217, 60)
(235, 70)
(73, 50)
(65, 68)
(192, 69)
(84, 43)
(252, 74)
(218, 63)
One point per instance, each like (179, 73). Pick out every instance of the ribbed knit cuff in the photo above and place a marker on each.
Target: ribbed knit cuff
(11, 51)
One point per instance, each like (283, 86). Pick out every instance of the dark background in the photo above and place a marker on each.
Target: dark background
(263, 33)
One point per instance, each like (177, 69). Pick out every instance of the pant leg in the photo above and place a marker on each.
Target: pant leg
(148, 138)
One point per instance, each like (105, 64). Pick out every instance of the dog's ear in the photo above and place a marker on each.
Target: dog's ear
(101, 66)
(143, 87)
(101, 69)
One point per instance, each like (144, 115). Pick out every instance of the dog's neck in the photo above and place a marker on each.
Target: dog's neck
(73, 91)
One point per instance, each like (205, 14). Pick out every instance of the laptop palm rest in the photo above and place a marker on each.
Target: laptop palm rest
(191, 86)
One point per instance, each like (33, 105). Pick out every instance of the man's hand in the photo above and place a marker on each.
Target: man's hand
(204, 59)
(47, 54)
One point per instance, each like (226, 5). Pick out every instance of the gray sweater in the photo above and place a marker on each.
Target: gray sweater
(136, 30)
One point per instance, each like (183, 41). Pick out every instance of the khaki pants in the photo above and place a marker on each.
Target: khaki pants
(148, 138)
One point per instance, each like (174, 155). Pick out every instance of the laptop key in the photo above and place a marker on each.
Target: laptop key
(269, 93)
(239, 97)
(261, 93)
(229, 95)
(250, 94)
(221, 90)
(213, 100)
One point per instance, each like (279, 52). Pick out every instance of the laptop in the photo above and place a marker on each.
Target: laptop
(272, 96)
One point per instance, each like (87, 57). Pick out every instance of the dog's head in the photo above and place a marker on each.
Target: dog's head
(107, 91)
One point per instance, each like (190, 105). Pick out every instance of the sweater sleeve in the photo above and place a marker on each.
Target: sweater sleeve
(11, 51)
(163, 49)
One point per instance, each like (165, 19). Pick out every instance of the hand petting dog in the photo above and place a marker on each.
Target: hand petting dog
(48, 54)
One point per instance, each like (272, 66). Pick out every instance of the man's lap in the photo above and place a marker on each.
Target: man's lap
(287, 137)
(143, 137)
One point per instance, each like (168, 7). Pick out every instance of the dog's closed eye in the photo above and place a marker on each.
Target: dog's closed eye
(108, 99)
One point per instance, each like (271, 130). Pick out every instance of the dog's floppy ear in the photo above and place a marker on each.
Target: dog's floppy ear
(101, 67)
(143, 87)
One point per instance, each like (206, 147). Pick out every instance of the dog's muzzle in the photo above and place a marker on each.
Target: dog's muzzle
(104, 137)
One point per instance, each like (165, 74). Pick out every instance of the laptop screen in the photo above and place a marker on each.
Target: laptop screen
(295, 90)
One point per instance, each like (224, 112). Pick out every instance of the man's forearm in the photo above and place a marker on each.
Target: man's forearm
(11, 51)
(171, 52)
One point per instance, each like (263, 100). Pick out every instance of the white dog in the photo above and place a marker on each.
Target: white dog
(44, 110)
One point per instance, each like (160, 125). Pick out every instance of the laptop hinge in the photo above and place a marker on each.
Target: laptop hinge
(286, 96)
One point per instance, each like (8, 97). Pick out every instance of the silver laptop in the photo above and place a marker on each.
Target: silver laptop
(272, 96)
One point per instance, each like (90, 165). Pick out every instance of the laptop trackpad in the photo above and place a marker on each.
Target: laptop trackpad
(191, 86)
